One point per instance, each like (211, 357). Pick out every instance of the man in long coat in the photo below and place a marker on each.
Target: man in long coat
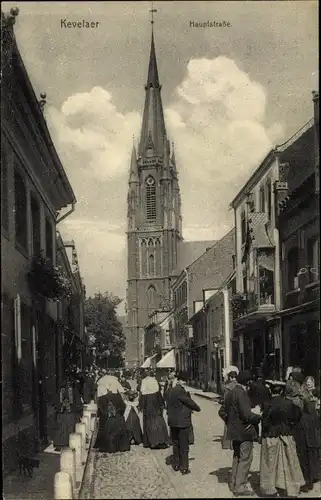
(179, 408)
(242, 430)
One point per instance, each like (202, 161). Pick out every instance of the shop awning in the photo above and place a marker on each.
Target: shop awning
(148, 361)
(167, 361)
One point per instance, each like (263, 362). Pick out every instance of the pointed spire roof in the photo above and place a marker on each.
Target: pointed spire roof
(133, 174)
(153, 126)
(152, 77)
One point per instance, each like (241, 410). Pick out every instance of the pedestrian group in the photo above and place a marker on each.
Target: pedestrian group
(285, 418)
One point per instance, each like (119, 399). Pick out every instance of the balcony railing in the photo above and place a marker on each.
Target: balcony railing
(252, 302)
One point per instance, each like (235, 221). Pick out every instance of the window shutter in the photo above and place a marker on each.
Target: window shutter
(17, 325)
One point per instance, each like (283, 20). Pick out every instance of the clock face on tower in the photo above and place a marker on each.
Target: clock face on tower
(150, 181)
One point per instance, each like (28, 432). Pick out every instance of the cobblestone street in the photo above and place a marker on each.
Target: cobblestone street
(143, 473)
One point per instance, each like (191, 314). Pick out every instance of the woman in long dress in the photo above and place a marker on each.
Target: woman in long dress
(89, 388)
(112, 431)
(308, 436)
(151, 404)
(135, 434)
(280, 467)
(65, 420)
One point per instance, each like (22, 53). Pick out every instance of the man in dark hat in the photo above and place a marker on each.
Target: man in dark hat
(242, 430)
(169, 383)
(258, 392)
(179, 408)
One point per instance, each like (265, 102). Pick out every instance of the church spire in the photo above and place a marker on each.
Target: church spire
(152, 76)
(133, 174)
(153, 126)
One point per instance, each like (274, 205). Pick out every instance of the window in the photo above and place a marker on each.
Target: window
(7, 349)
(244, 283)
(243, 227)
(4, 190)
(20, 197)
(151, 297)
(262, 200)
(150, 199)
(269, 199)
(143, 257)
(293, 266)
(250, 202)
(35, 217)
(49, 240)
(151, 265)
(313, 258)
(26, 362)
(158, 257)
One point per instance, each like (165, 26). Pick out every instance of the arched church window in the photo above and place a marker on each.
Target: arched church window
(150, 189)
(151, 297)
(151, 265)
(158, 255)
(143, 257)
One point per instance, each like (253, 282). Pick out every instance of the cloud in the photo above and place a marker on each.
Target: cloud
(217, 119)
(90, 124)
(102, 254)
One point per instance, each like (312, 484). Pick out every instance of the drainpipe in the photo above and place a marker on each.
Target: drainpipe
(66, 214)
(187, 300)
(227, 332)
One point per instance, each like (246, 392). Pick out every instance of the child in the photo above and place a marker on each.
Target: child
(132, 420)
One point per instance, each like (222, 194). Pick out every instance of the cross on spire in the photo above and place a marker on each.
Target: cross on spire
(152, 11)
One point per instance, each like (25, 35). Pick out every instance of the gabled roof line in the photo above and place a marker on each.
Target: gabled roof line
(210, 248)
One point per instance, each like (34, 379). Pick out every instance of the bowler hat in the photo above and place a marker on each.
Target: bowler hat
(244, 377)
(182, 376)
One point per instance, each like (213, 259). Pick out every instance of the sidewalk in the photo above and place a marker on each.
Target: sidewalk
(41, 485)
(207, 395)
(38, 487)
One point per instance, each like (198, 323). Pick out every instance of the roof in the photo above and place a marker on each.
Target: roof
(153, 125)
(212, 268)
(268, 159)
(308, 125)
(25, 83)
(190, 251)
(257, 228)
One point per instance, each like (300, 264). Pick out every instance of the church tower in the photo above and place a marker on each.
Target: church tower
(153, 217)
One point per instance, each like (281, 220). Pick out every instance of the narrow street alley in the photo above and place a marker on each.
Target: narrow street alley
(143, 473)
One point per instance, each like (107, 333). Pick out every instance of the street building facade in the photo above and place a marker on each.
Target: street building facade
(277, 245)
(72, 341)
(220, 345)
(34, 191)
(257, 268)
(299, 228)
(208, 272)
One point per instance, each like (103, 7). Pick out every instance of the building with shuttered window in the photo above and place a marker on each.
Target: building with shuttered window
(34, 191)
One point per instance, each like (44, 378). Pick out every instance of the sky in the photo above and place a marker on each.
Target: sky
(229, 95)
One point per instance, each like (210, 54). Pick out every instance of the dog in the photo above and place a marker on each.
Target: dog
(27, 464)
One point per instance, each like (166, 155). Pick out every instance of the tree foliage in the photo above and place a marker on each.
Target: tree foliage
(104, 329)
